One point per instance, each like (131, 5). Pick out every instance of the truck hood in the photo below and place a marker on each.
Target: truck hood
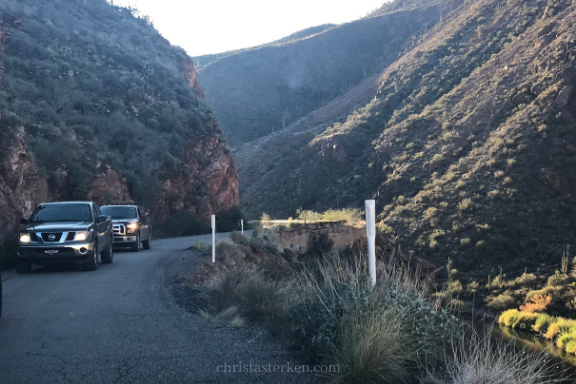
(63, 226)
(124, 221)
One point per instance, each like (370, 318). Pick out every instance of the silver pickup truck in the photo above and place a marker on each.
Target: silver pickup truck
(65, 232)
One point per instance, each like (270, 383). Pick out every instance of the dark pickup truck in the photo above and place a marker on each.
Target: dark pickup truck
(67, 232)
(131, 225)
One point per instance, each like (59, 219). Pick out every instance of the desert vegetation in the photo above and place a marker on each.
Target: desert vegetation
(325, 308)
(91, 85)
(459, 130)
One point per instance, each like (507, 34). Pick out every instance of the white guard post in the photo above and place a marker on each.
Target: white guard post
(242, 223)
(371, 237)
(213, 238)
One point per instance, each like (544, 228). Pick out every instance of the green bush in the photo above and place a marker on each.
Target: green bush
(182, 223)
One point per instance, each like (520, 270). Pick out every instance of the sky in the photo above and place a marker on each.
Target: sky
(212, 26)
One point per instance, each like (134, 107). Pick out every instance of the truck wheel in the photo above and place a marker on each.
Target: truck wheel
(146, 243)
(108, 255)
(23, 268)
(92, 264)
(136, 245)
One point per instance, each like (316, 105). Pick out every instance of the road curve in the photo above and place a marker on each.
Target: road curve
(118, 324)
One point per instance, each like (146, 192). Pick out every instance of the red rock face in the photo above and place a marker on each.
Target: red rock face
(21, 188)
(204, 189)
(109, 187)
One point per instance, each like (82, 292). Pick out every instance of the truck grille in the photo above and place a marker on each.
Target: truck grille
(51, 237)
(119, 229)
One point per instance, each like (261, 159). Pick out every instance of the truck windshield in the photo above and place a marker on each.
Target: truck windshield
(120, 212)
(64, 212)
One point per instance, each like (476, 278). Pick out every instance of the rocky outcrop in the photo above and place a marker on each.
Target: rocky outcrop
(206, 187)
(21, 187)
(109, 187)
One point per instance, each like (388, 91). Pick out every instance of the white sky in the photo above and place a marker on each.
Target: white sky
(212, 26)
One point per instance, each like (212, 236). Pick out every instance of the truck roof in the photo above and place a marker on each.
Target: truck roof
(67, 202)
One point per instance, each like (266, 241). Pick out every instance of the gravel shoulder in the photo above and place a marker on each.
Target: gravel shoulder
(251, 344)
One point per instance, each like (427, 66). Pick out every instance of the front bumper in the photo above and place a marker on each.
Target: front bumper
(55, 254)
(124, 239)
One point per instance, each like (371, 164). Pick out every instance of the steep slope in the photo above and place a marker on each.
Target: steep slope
(260, 91)
(467, 144)
(96, 104)
(204, 61)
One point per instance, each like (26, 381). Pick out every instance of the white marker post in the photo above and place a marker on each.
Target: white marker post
(242, 223)
(213, 238)
(371, 237)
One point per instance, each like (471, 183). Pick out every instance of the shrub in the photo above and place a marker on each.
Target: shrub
(501, 302)
(239, 238)
(526, 280)
(473, 287)
(183, 223)
(253, 294)
(480, 244)
(385, 229)
(465, 241)
(265, 219)
(466, 204)
(370, 345)
(525, 321)
(509, 317)
(556, 279)
(538, 303)
(542, 323)
(560, 326)
(455, 287)
(478, 359)
(332, 294)
(429, 213)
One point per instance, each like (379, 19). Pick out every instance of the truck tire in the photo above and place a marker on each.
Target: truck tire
(92, 264)
(22, 268)
(107, 256)
(136, 246)
(146, 243)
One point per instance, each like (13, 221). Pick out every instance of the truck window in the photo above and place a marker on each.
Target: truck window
(61, 212)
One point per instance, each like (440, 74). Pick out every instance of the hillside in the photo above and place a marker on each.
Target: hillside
(260, 91)
(205, 60)
(96, 104)
(467, 142)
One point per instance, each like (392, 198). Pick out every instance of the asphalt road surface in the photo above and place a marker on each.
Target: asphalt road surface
(120, 324)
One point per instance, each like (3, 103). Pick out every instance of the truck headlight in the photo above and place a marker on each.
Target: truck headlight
(132, 227)
(81, 236)
(24, 238)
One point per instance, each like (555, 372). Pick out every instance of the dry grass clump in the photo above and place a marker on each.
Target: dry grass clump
(477, 359)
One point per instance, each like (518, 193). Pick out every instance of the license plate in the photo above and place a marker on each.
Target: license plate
(51, 251)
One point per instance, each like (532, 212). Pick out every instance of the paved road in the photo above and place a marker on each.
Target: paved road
(119, 324)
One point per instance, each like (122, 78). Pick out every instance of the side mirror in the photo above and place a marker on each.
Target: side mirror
(101, 219)
(24, 221)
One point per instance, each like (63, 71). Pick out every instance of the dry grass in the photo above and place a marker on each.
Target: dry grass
(477, 359)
